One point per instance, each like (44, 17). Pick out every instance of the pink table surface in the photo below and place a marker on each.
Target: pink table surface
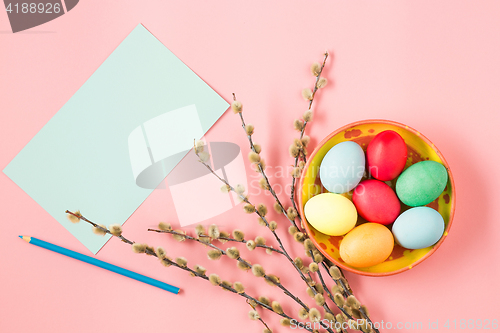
(431, 65)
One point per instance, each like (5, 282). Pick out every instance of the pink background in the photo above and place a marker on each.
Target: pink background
(431, 65)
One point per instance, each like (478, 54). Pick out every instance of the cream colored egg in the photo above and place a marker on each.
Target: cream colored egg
(331, 214)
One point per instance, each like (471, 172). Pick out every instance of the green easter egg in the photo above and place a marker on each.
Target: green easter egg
(421, 183)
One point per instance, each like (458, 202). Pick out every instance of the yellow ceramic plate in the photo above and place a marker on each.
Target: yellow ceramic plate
(419, 149)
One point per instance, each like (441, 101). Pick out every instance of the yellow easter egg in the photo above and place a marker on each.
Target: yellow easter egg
(331, 213)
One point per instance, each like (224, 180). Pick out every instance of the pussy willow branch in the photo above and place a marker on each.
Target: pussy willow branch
(325, 287)
(263, 173)
(260, 319)
(294, 180)
(343, 286)
(349, 292)
(244, 241)
(285, 253)
(187, 269)
(123, 239)
(240, 259)
(261, 169)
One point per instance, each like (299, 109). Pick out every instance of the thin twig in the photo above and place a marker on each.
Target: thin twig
(187, 269)
(302, 155)
(240, 259)
(285, 253)
(260, 318)
(261, 168)
(244, 241)
(292, 189)
(348, 292)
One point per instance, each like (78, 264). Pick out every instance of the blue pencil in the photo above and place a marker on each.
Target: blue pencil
(99, 263)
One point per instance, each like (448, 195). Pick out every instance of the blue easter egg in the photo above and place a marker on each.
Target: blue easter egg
(418, 228)
(342, 167)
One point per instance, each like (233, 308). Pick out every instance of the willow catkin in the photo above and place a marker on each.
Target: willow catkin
(237, 107)
(307, 116)
(276, 306)
(298, 125)
(214, 254)
(213, 231)
(272, 280)
(335, 272)
(307, 94)
(249, 129)
(100, 230)
(164, 226)
(308, 245)
(253, 157)
(303, 313)
(181, 261)
(233, 253)
(238, 235)
(249, 209)
(285, 322)
(160, 252)
(313, 267)
(75, 217)
(250, 245)
(115, 230)
(264, 300)
(253, 315)
(319, 299)
(316, 68)
(314, 315)
(139, 248)
(353, 302)
(243, 265)
(262, 209)
(214, 279)
(200, 269)
(258, 270)
(199, 146)
(339, 299)
(321, 83)
(259, 240)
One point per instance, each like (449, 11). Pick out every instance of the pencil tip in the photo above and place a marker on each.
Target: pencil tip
(25, 238)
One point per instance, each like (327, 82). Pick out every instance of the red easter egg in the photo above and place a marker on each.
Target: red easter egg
(386, 155)
(376, 202)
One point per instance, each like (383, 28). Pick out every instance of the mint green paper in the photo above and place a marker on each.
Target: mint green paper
(81, 159)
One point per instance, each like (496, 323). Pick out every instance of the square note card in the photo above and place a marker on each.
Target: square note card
(117, 137)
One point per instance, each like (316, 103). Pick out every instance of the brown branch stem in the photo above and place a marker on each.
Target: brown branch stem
(285, 253)
(240, 259)
(191, 271)
(261, 169)
(244, 241)
(260, 318)
(301, 153)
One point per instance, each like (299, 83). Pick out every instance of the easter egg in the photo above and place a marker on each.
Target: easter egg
(366, 245)
(342, 167)
(386, 155)
(331, 213)
(376, 202)
(418, 228)
(421, 183)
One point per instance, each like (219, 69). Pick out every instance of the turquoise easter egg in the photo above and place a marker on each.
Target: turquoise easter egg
(418, 228)
(342, 167)
(421, 183)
